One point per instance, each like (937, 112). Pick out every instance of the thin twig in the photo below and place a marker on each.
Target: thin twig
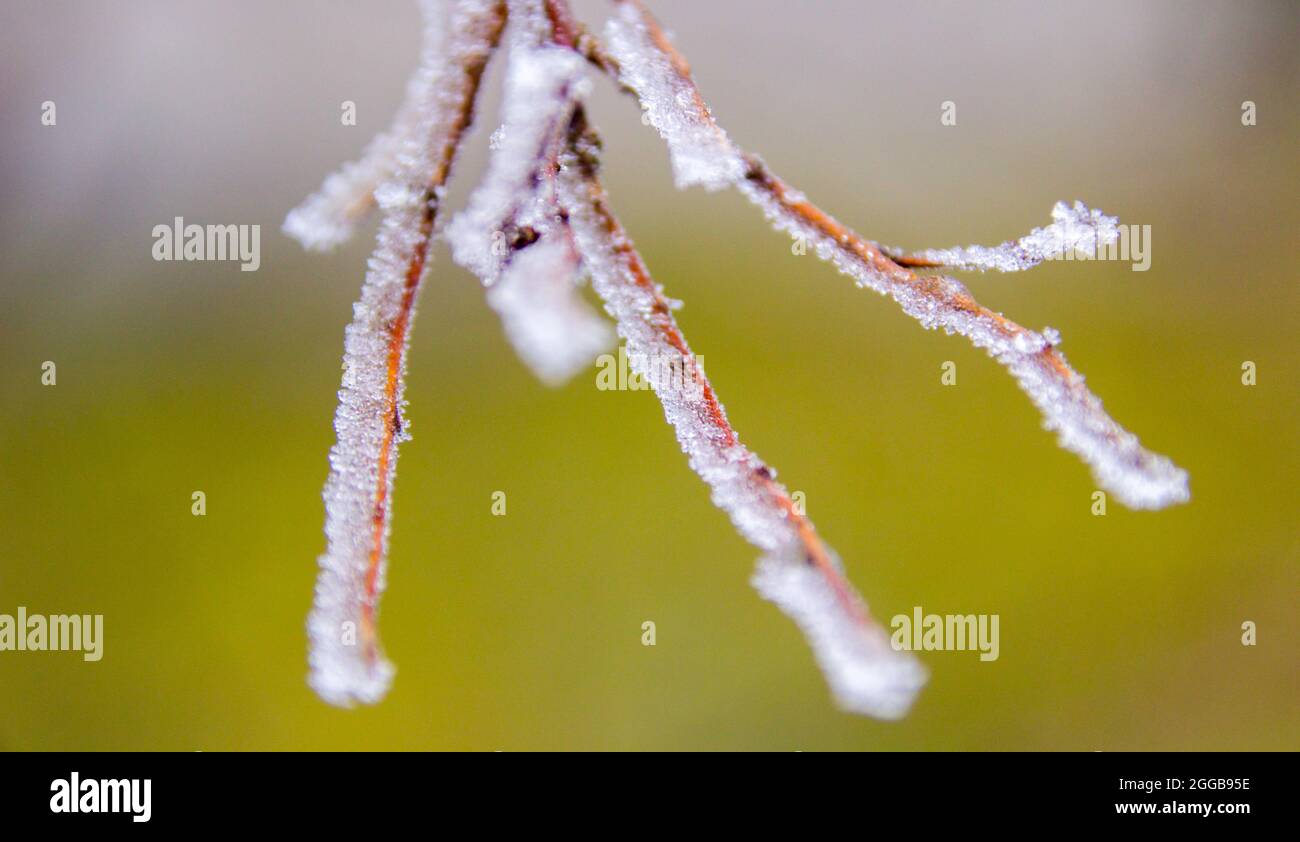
(1137, 477)
(346, 659)
(543, 198)
(799, 572)
(554, 330)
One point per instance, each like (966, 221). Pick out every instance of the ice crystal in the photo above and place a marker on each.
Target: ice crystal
(553, 330)
(700, 151)
(1074, 230)
(865, 673)
(328, 217)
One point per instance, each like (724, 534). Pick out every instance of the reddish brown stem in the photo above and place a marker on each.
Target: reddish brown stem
(398, 329)
(660, 318)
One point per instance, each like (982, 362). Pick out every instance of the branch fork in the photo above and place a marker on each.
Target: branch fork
(541, 224)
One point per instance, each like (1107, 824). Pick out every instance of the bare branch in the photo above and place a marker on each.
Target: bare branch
(1076, 230)
(539, 219)
(329, 216)
(798, 572)
(535, 291)
(647, 62)
(347, 663)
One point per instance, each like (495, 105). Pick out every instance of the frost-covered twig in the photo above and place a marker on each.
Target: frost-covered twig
(540, 218)
(1138, 478)
(328, 217)
(798, 572)
(1075, 229)
(533, 289)
(647, 62)
(347, 663)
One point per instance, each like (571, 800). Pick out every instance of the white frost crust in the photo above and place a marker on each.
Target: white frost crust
(555, 332)
(700, 151)
(329, 216)
(344, 668)
(540, 86)
(1075, 229)
(864, 672)
(534, 289)
(1136, 477)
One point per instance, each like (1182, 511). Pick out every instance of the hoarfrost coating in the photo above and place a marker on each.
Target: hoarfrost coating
(328, 217)
(1077, 229)
(538, 221)
(865, 673)
(699, 149)
(1136, 477)
(346, 662)
(535, 290)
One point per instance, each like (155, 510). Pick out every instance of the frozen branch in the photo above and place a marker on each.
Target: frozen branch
(508, 235)
(329, 216)
(537, 222)
(347, 662)
(1074, 230)
(700, 151)
(646, 62)
(797, 572)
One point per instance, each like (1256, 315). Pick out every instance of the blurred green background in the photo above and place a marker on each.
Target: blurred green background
(523, 632)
